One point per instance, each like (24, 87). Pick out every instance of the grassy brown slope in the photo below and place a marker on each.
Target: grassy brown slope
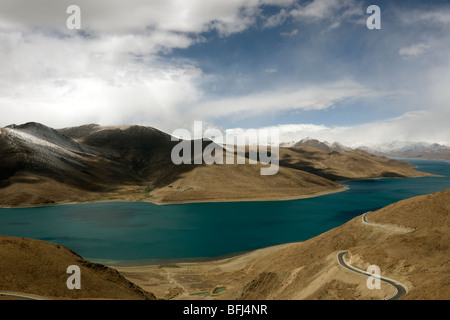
(423, 256)
(39, 268)
(130, 162)
(309, 270)
(346, 165)
(242, 182)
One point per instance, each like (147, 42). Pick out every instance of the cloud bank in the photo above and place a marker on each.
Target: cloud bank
(414, 126)
(120, 68)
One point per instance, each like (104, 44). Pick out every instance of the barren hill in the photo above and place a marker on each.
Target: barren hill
(29, 266)
(344, 165)
(310, 270)
(40, 166)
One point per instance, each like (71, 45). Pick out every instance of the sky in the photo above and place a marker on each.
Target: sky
(307, 68)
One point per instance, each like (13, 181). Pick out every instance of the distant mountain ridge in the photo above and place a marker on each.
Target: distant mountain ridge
(405, 149)
(396, 149)
(402, 146)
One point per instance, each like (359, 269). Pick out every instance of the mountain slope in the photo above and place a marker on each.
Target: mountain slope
(40, 165)
(345, 165)
(39, 268)
(47, 136)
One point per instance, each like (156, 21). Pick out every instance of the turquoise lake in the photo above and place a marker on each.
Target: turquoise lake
(142, 233)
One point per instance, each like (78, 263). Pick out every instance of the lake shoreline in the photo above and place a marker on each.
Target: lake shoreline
(222, 200)
(160, 203)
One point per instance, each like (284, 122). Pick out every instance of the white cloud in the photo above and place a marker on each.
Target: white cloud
(430, 70)
(122, 17)
(304, 98)
(440, 16)
(117, 78)
(145, 97)
(289, 34)
(76, 80)
(414, 50)
(414, 126)
(332, 10)
(113, 72)
(276, 19)
(271, 70)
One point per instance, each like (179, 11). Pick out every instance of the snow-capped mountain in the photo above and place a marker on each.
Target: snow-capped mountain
(405, 146)
(407, 149)
(311, 142)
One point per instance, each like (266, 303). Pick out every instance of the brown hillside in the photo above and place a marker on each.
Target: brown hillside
(345, 165)
(36, 267)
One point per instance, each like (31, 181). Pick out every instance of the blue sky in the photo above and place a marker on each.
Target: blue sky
(309, 68)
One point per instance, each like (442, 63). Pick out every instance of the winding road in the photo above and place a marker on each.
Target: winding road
(401, 289)
(385, 226)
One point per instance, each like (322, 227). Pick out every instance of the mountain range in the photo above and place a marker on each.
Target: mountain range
(40, 165)
(395, 149)
(402, 149)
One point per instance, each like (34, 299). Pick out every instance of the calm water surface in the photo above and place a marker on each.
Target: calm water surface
(141, 233)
